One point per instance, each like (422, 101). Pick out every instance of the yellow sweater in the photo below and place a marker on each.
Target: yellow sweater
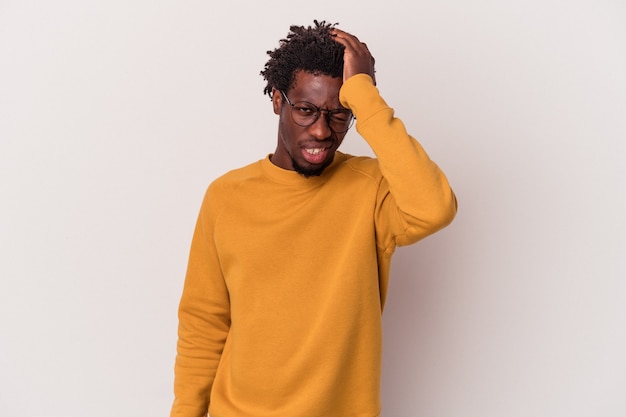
(281, 310)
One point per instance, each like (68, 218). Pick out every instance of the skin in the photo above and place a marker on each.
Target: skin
(309, 150)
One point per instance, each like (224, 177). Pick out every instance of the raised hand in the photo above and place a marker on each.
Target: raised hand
(357, 58)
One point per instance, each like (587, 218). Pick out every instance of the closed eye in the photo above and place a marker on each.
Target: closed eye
(340, 115)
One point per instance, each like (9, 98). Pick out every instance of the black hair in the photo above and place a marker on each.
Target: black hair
(311, 49)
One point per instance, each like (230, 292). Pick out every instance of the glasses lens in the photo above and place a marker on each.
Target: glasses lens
(304, 114)
(340, 121)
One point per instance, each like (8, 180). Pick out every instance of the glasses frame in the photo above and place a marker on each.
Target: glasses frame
(318, 112)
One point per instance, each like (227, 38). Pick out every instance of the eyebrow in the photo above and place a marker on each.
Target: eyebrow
(294, 102)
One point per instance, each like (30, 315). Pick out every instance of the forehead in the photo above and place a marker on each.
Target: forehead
(319, 89)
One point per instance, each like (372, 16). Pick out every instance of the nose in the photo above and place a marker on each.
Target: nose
(320, 129)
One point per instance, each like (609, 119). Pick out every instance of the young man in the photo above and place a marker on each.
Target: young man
(281, 310)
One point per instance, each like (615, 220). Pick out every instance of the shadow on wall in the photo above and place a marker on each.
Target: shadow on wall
(417, 314)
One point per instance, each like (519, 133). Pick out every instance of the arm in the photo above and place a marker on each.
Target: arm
(204, 321)
(415, 198)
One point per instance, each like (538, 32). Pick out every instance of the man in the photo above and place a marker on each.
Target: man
(280, 314)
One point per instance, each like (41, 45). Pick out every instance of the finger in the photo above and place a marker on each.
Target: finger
(357, 56)
(346, 39)
(352, 44)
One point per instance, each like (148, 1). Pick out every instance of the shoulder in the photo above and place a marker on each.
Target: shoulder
(232, 179)
(364, 166)
(221, 189)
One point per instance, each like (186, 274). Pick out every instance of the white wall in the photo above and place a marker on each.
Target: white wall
(115, 115)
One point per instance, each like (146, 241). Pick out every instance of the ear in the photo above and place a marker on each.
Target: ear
(277, 100)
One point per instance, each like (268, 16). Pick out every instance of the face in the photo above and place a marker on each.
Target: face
(307, 150)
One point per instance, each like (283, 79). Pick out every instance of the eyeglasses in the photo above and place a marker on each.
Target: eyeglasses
(304, 114)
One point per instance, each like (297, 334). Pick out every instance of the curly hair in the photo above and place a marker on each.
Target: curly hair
(310, 49)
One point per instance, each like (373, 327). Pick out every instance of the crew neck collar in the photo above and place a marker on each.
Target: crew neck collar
(289, 177)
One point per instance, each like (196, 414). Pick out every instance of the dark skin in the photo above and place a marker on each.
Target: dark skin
(309, 150)
(357, 59)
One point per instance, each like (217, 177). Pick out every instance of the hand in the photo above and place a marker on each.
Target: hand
(357, 59)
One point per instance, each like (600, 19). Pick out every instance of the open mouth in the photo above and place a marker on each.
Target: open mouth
(315, 155)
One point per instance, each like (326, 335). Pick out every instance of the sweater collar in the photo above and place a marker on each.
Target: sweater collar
(288, 177)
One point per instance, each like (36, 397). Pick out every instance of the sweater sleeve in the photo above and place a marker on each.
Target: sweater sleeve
(204, 320)
(415, 199)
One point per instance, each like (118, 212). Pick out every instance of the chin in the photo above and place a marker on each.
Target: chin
(314, 171)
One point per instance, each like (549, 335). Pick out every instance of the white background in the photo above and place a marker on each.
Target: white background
(115, 116)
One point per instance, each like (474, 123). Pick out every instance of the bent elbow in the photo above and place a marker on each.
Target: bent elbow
(440, 214)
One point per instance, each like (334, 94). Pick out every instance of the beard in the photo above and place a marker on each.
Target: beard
(310, 172)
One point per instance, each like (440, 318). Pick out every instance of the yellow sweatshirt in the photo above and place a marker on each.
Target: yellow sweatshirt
(281, 310)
